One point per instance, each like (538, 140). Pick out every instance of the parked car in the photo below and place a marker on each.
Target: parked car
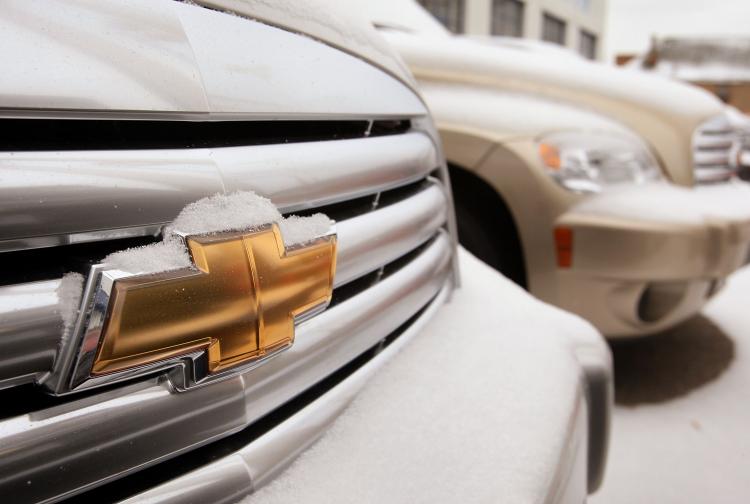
(170, 333)
(566, 173)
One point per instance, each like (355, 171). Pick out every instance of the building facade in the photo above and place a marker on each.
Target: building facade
(576, 24)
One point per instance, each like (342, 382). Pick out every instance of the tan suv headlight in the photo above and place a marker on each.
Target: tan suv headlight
(589, 162)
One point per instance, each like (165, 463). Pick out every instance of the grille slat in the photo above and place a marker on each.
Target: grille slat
(45, 197)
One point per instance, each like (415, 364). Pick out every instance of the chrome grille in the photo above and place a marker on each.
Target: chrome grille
(715, 149)
(391, 204)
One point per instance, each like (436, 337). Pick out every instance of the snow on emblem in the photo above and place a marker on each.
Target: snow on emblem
(214, 304)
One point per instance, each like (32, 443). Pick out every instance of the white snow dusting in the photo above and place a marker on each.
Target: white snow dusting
(238, 211)
(222, 212)
(296, 229)
(69, 298)
(476, 408)
(667, 203)
(167, 255)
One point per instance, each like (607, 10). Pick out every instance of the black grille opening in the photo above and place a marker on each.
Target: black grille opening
(357, 206)
(402, 193)
(356, 286)
(158, 474)
(52, 263)
(342, 210)
(117, 134)
(393, 266)
(393, 127)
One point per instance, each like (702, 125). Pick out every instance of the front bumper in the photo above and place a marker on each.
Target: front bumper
(496, 424)
(644, 259)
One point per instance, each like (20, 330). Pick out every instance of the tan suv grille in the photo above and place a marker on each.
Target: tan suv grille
(715, 146)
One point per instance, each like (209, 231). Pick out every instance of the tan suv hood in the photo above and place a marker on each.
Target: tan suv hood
(664, 112)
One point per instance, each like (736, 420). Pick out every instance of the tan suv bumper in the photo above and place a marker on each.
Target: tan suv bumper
(643, 259)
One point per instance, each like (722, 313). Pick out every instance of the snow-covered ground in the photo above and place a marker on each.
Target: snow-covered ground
(681, 430)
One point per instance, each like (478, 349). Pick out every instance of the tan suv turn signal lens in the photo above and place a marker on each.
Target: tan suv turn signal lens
(550, 156)
(564, 246)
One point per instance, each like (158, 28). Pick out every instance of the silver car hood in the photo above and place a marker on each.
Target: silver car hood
(166, 57)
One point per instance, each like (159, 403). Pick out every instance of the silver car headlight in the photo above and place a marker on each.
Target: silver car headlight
(591, 162)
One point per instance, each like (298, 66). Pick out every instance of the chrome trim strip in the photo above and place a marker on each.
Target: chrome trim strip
(74, 238)
(710, 158)
(600, 400)
(31, 326)
(705, 175)
(53, 198)
(320, 173)
(238, 474)
(119, 431)
(30, 330)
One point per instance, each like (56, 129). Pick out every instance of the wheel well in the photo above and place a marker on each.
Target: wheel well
(486, 227)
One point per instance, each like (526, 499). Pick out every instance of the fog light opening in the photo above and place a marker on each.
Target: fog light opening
(714, 287)
(659, 299)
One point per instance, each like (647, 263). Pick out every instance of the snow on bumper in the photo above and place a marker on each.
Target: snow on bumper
(645, 258)
(661, 232)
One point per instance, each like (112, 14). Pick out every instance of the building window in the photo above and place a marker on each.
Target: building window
(507, 18)
(584, 5)
(587, 44)
(553, 29)
(448, 12)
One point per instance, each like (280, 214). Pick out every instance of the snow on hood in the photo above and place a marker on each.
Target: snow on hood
(238, 211)
(166, 56)
(486, 109)
(482, 421)
(327, 20)
(574, 79)
(525, 65)
(663, 111)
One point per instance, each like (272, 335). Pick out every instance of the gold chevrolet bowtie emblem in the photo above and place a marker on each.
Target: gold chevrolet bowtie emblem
(238, 304)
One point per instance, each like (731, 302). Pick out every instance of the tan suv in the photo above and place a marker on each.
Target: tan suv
(566, 173)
